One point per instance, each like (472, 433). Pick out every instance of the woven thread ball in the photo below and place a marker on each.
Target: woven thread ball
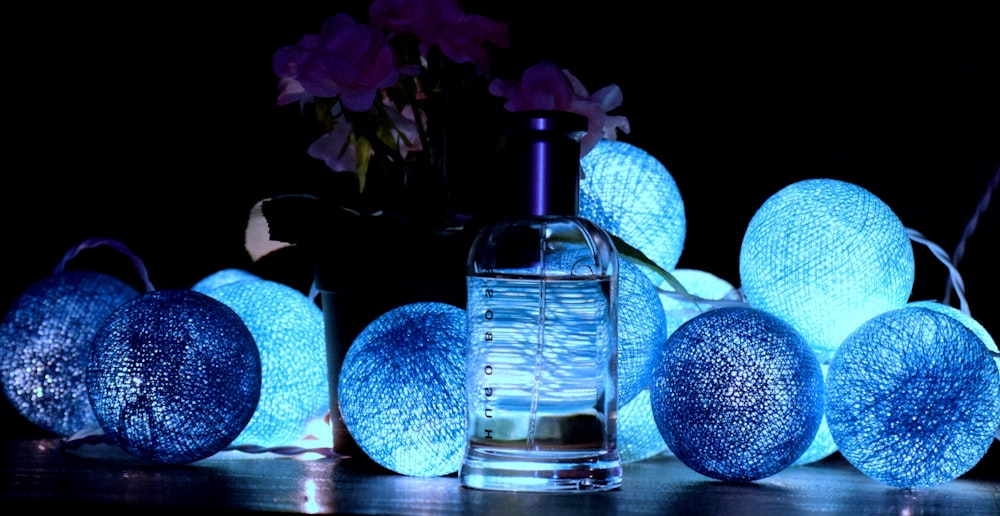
(638, 436)
(825, 256)
(45, 345)
(223, 277)
(823, 444)
(970, 323)
(642, 329)
(821, 447)
(288, 330)
(737, 394)
(402, 389)
(174, 376)
(913, 398)
(626, 191)
(966, 319)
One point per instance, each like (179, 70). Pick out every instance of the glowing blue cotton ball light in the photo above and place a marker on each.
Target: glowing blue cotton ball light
(705, 285)
(288, 330)
(630, 194)
(223, 277)
(825, 256)
(173, 376)
(913, 398)
(680, 309)
(642, 330)
(823, 444)
(964, 318)
(45, 344)
(638, 436)
(402, 389)
(737, 394)
(969, 322)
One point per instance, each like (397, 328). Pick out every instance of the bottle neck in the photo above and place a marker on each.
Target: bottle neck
(545, 167)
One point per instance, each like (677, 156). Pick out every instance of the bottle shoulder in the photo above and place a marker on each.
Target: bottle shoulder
(555, 246)
(547, 225)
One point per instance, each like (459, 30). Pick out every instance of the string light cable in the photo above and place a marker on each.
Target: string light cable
(970, 228)
(955, 284)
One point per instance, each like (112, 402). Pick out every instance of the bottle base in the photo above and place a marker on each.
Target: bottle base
(504, 472)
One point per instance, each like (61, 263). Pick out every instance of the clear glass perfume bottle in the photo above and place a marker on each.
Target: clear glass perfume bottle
(541, 370)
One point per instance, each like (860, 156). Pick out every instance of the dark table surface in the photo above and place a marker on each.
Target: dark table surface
(41, 474)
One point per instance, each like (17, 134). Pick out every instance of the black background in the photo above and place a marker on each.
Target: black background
(156, 125)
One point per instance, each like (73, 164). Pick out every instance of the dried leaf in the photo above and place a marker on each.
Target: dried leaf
(258, 241)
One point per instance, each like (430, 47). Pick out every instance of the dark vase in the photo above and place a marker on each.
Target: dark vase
(345, 314)
(366, 267)
(369, 260)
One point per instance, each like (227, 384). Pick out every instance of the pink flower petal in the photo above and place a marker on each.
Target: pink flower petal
(545, 86)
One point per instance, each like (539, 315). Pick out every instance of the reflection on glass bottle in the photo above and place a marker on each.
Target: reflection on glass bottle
(542, 311)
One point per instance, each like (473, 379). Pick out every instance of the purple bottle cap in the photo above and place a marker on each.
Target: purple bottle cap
(545, 150)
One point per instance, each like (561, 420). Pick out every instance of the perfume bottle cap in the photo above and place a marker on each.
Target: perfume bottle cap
(544, 147)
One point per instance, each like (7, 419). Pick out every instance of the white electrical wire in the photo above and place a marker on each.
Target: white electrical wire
(940, 254)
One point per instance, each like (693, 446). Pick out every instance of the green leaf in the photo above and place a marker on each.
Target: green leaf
(636, 256)
(363, 149)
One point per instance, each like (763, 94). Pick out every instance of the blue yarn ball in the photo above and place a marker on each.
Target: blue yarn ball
(708, 286)
(970, 323)
(825, 256)
(737, 394)
(174, 376)
(402, 389)
(288, 330)
(629, 193)
(642, 329)
(913, 398)
(966, 319)
(45, 345)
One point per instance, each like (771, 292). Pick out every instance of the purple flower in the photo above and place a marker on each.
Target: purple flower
(545, 86)
(291, 90)
(403, 127)
(336, 148)
(346, 60)
(342, 150)
(460, 36)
